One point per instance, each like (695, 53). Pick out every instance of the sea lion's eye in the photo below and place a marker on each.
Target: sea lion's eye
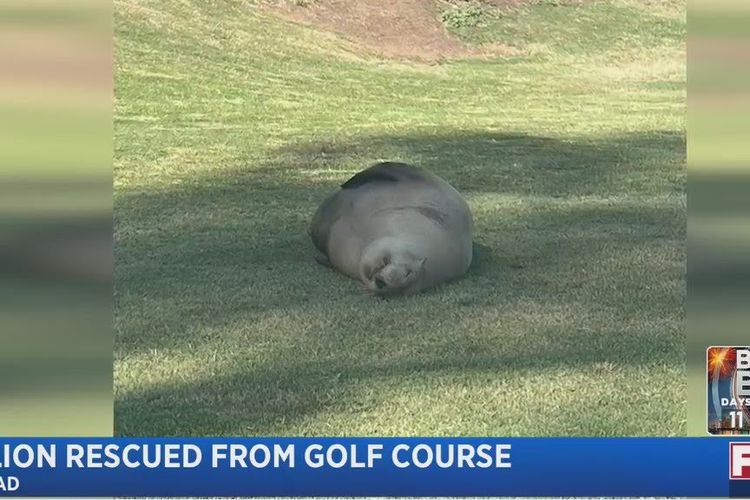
(386, 261)
(408, 273)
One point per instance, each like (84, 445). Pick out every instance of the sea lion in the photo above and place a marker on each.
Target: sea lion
(396, 228)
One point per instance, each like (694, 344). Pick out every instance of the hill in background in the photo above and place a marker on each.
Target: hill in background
(433, 30)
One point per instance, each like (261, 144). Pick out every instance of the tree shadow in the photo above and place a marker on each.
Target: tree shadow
(586, 254)
(512, 163)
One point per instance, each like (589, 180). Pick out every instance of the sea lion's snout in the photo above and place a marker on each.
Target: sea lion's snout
(388, 269)
(398, 278)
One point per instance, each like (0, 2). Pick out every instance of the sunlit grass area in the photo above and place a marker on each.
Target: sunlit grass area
(231, 125)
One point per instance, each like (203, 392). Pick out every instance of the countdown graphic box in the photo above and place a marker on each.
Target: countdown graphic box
(728, 390)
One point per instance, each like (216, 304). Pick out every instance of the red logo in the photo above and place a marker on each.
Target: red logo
(739, 460)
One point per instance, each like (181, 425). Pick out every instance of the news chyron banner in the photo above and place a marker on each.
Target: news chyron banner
(589, 467)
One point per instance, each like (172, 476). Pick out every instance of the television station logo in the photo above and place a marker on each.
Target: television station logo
(739, 460)
(728, 390)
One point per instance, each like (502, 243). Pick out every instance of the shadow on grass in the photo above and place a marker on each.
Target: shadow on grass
(587, 257)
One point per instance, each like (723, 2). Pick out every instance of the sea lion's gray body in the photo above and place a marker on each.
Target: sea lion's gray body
(396, 228)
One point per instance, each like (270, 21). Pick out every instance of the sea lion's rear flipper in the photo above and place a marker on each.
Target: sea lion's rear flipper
(479, 255)
(479, 249)
(327, 214)
(388, 171)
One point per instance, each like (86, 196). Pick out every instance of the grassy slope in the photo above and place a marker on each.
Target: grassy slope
(232, 126)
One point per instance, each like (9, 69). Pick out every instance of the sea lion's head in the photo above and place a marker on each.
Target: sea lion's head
(392, 271)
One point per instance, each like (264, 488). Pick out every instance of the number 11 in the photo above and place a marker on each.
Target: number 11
(737, 419)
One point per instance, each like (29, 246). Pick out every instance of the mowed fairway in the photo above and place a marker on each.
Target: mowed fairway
(231, 125)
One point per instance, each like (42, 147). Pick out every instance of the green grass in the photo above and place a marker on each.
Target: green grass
(230, 128)
(612, 29)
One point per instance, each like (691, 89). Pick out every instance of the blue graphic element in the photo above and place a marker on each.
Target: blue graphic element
(539, 467)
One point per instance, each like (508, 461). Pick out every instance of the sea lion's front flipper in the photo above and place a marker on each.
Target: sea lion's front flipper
(322, 259)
